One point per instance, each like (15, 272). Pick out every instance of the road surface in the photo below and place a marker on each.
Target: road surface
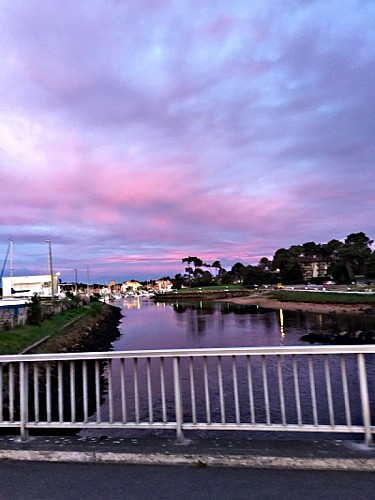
(68, 481)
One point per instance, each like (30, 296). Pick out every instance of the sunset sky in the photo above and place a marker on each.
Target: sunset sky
(134, 133)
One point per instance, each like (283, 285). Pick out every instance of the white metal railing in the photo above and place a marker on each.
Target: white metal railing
(296, 389)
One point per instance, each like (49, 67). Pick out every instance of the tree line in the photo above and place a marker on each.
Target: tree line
(345, 262)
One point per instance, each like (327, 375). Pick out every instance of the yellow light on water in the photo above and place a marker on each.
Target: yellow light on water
(282, 333)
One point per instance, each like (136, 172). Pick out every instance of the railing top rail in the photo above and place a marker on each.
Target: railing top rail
(214, 351)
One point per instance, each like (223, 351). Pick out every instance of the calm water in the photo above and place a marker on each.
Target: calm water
(147, 325)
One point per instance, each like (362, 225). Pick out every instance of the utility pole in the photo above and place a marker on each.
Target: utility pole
(88, 283)
(76, 284)
(50, 266)
(11, 265)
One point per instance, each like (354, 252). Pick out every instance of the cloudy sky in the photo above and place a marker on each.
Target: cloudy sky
(134, 133)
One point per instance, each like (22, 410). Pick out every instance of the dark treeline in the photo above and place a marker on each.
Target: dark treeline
(343, 262)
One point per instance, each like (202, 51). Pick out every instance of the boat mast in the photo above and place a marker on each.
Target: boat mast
(11, 265)
(50, 266)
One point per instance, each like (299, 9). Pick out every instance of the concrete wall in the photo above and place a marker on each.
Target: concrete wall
(12, 315)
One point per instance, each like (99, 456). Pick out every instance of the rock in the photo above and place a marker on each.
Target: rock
(358, 337)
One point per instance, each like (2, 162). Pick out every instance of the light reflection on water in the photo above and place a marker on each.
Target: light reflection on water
(183, 325)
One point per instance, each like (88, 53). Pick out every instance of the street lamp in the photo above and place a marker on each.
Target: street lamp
(279, 285)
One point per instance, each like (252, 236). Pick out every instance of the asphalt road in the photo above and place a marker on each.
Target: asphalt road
(68, 481)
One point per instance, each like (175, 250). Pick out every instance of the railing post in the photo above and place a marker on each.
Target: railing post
(365, 400)
(23, 401)
(178, 399)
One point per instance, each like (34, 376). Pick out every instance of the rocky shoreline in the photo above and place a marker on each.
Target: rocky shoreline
(90, 334)
(341, 338)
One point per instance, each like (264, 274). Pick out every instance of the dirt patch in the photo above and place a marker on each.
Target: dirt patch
(268, 303)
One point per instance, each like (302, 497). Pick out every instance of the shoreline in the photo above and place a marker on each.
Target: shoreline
(268, 303)
(87, 333)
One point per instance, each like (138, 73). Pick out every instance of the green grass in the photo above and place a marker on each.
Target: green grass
(321, 297)
(14, 341)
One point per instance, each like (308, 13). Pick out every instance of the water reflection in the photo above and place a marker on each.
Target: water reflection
(133, 303)
(201, 317)
(184, 325)
(282, 333)
(188, 324)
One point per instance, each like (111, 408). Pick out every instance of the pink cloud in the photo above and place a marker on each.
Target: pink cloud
(211, 129)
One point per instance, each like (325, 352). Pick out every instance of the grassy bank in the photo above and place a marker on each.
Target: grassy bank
(321, 297)
(14, 341)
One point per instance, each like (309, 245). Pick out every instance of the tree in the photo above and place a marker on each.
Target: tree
(332, 248)
(238, 271)
(310, 249)
(193, 260)
(265, 264)
(202, 278)
(253, 275)
(188, 269)
(178, 281)
(280, 259)
(369, 267)
(34, 311)
(288, 264)
(217, 265)
(197, 262)
(354, 253)
(338, 271)
(226, 277)
(296, 250)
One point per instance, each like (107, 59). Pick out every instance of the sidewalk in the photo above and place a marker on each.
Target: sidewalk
(264, 454)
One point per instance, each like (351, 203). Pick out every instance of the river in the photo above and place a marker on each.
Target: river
(183, 325)
(148, 325)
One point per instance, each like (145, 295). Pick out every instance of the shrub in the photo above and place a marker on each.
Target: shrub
(95, 308)
(34, 311)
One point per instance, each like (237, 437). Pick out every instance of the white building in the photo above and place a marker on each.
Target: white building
(130, 286)
(163, 286)
(27, 286)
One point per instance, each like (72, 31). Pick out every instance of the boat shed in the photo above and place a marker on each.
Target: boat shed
(27, 286)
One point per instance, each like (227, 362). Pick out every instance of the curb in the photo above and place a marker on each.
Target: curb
(203, 460)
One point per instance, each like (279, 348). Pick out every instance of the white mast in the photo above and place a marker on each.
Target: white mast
(11, 264)
(50, 266)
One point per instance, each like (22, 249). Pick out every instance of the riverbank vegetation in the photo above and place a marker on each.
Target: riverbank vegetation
(344, 262)
(15, 341)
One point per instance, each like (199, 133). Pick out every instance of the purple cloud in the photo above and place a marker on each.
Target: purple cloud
(135, 133)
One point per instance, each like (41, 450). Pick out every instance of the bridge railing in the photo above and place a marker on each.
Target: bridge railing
(313, 389)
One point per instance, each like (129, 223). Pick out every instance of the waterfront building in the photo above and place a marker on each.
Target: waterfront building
(314, 267)
(27, 286)
(130, 286)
